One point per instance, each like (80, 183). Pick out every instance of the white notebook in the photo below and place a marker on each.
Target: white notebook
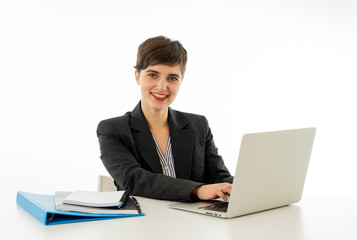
(129, 207)
(96, 199)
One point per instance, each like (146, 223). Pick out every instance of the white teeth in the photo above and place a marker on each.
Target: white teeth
(159, 95)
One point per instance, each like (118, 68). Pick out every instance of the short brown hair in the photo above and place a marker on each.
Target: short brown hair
(161, 50)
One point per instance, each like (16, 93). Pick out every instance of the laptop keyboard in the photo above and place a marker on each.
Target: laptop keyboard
(219, 207)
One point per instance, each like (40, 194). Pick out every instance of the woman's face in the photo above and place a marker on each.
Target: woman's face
(159, 86)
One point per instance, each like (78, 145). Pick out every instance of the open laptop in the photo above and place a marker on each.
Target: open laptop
(270, 173)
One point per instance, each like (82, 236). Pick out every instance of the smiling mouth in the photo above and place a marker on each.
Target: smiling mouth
(160, 97)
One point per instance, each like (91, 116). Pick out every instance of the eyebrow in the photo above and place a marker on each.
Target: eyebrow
(149, 70)
(171, 74)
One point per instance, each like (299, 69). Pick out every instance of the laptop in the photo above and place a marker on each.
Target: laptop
(270, 173)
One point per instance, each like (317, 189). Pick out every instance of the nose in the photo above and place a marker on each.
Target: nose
(161, 84)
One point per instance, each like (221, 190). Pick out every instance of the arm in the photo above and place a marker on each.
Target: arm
(121, 160)
(215, 171)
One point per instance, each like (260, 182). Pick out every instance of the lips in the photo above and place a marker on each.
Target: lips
(159, 97)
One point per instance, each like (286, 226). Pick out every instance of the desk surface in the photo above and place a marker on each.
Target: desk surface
(312, 218)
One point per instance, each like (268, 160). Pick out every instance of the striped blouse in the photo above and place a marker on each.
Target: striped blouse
(167, 162)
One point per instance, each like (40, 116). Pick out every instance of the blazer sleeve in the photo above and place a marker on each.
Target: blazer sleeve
(215, 169)
(120, 159)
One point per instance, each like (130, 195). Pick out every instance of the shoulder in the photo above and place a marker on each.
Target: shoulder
(195, 121)
(115, 124)
(190, 116)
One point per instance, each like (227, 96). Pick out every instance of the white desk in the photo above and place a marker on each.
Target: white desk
(313, 218)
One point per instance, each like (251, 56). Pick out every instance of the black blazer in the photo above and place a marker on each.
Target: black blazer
(129, 154)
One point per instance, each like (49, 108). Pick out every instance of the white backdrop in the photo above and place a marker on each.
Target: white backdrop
(253, 66)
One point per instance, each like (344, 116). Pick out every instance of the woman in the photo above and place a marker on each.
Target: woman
(155, 151)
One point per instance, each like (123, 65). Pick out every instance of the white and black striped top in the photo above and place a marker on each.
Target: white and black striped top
(167, 162)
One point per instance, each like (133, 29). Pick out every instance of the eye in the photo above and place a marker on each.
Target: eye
(152, 75)
(173, 78)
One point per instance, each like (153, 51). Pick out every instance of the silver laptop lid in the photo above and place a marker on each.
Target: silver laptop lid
(271, 170)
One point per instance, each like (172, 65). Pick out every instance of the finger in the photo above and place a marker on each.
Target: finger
(228, 189)
(222, 195)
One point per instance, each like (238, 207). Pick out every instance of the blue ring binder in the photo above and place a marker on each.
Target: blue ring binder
(42, 207)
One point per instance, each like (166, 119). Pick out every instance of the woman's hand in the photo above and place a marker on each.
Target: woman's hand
(212, 191)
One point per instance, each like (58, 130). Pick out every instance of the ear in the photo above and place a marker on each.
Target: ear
(137, 77)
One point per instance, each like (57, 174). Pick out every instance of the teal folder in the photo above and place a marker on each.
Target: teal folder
(43, 208)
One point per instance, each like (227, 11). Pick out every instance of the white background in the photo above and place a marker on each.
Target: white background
(253, 66)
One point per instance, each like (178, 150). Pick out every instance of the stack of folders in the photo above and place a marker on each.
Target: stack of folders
(78, 206)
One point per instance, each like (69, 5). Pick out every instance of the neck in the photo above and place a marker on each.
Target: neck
(156, 119)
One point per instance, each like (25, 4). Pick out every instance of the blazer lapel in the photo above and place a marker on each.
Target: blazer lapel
(182, 143)
(143, 139)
